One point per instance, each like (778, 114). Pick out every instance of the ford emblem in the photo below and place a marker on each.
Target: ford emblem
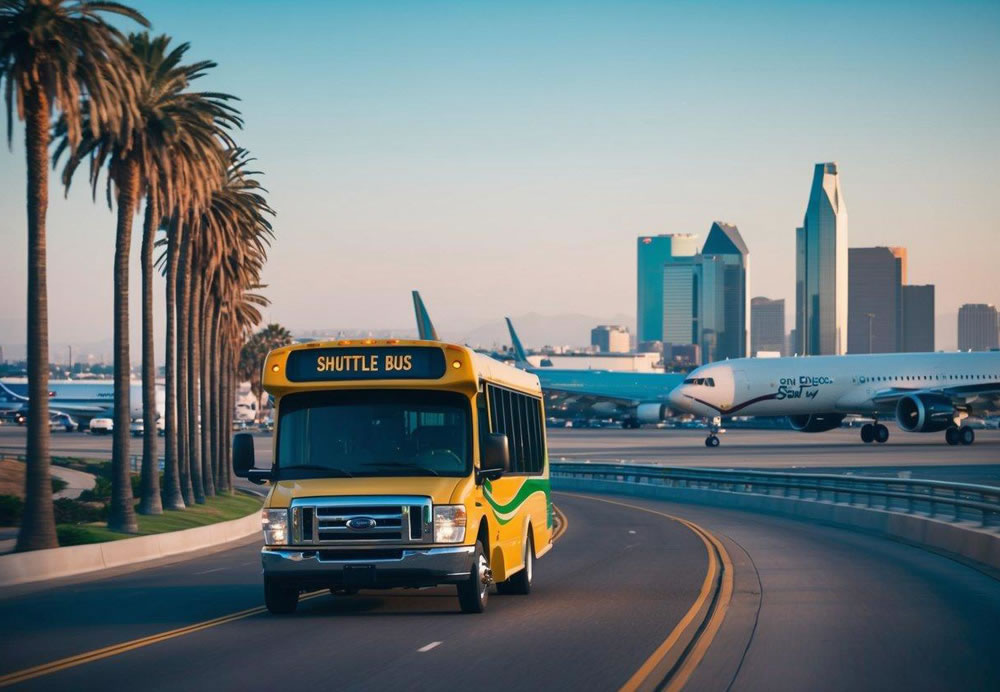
(361, 523)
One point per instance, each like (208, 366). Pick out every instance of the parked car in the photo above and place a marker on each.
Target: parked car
(101, 426)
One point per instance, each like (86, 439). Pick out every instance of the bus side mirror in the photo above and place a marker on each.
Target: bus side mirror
(243, 459)
(494, 457)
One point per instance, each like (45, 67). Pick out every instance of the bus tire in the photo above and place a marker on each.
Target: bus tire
(474, 591)
(520, 583)
(280, 598)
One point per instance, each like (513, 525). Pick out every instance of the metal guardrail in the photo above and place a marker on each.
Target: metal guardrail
(934, 499)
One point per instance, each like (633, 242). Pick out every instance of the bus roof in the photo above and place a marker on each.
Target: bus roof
(375, 362)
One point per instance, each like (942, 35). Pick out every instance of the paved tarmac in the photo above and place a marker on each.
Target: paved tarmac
(815, 608)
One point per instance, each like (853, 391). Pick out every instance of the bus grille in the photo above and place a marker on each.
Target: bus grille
(360, 521)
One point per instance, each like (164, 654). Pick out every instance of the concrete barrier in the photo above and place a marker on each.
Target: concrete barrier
(37, 565)
(962, 540)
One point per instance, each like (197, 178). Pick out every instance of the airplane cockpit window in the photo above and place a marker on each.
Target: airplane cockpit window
(709, 382)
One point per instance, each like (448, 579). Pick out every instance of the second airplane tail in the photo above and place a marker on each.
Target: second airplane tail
(425, 329)
(520, 355)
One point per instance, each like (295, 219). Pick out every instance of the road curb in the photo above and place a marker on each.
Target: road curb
(39, 565)
(956, 539)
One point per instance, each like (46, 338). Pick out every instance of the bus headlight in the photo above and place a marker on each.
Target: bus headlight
(275, 524)
(449, 523)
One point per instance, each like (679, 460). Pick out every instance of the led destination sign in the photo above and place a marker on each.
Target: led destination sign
(386, 363)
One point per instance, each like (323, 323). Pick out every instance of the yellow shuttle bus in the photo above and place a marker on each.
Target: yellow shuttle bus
(400, 464)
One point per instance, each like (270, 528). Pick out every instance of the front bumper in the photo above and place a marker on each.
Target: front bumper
(332, 568)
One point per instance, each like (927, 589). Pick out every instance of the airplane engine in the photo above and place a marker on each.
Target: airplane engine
(924, 413)
(815, 422)
(651, 413)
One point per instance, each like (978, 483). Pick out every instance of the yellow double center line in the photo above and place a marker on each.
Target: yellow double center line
(115, 649)
(649, 675)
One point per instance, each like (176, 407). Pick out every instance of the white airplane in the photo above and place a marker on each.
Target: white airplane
(83, 399)
(924, 392)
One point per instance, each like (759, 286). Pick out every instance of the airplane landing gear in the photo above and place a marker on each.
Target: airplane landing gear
(867, 433)
(881, 434)
(874, 432)
(960, 435)
(714, 429)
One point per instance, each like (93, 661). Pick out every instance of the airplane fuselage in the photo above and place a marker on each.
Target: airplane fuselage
(923, 392)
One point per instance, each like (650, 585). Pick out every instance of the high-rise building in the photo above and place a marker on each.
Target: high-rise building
(705, 296)
(611, 338)
(918, 319)
(681, 301)
(654, 252)
(978, 327)
(821, 268)
(767, 325)
(726, 274)
(875, 299)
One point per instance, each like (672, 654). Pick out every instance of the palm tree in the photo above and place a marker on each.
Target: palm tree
(51, 51)
(229, 251)
(175, 138)
(255, 351)
(188, 129)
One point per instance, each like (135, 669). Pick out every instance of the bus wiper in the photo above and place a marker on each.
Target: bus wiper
(318, 467)
(401, 465)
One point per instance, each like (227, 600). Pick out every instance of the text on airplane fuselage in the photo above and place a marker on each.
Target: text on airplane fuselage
(801, 387)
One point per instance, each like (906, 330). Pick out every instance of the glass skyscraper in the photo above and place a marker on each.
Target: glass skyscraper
(653, 253)
(821, 268)
(726, 302)
(705, 296)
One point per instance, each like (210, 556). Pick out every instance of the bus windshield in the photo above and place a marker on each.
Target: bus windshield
(373, 433)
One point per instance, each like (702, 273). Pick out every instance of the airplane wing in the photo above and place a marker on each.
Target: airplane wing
(978, 399)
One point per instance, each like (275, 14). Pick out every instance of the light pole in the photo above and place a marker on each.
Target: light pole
(871, 317)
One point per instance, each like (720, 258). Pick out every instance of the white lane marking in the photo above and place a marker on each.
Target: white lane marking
(631, 531)
(428, 647)
(217, 569)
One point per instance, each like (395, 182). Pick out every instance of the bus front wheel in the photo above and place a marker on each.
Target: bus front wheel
(280, 598)
(473, 592)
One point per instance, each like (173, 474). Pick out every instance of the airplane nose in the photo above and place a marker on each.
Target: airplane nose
(676, 398)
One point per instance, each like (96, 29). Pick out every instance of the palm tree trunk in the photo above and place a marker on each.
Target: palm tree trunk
(183, 308)
(38, 524)
(220, 438)
(207, 427)
(214, 400)
(150, 501)
(172, 497)
(121, 511)
(228, 411)
(194, 414)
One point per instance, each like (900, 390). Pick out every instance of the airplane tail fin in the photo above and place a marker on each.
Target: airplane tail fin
(425, 329)
(520, 355)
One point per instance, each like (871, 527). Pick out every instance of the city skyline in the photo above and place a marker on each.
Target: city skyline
(569, 148)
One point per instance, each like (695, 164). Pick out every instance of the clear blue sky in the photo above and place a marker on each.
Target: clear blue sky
(503, 157)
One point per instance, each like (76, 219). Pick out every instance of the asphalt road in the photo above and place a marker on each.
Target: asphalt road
(815, 608)
(604, 598)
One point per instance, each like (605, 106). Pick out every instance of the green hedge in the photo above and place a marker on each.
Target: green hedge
(11, 507)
